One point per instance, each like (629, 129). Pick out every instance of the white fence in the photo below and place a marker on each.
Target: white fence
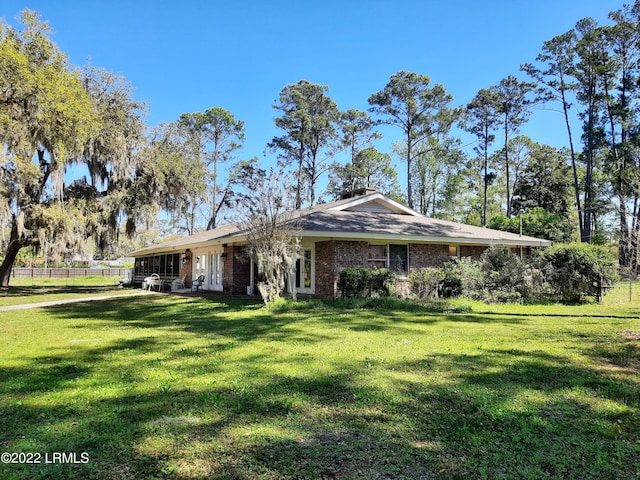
(68, 272)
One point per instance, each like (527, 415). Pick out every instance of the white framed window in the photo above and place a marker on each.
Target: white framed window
(304, 271)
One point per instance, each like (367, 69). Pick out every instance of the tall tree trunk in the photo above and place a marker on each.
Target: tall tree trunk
(14, 246)
(588, 199)
(624, 243)
(576, 184)
(312, 183)
(483, 219)
(506, 164)
(409, 189)
(618, 166)
(635, 236)
(301, 152)
(588, 180)
(214, 196)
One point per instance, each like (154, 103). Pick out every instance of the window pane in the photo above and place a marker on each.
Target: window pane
(377, 252)
(307, 269)
(303, 270)
(398, 259)
(201, 265)
(377, 256)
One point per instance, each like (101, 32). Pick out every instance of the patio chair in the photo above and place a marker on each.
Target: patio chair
(178, 283)
(125, 281)
(153, 281)
(198, 282)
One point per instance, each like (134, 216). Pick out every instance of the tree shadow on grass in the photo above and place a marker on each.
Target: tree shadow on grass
(184, 433)
(36, 291)
(227, 318)
(531, 414)
(197, 316)
(51, 372)
(502, 413)
(505, 413)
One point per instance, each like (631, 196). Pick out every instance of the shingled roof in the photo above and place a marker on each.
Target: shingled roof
(406, 227)
(371, 216)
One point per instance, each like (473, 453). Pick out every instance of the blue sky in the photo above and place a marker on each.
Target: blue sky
(191, 55)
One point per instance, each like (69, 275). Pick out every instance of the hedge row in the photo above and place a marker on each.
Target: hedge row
(565, 272)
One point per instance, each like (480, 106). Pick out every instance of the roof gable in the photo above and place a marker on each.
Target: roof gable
(372, 203)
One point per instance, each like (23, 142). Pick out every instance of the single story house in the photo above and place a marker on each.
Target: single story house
(363, 229)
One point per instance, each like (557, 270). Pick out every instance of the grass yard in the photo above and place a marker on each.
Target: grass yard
(166, 387)
(28, 290)
(84, 281)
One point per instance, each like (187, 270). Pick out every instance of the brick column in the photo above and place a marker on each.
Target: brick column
(236, 274)
(331, 257)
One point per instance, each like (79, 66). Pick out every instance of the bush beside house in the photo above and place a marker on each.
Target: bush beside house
(578, 270)
(568, 273)
(365, 282)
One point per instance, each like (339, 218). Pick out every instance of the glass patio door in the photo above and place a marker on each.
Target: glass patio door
(215, 272)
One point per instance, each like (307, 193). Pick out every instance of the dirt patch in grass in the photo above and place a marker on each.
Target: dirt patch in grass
(631, 335)
(176, 421)
(624, 358)
(612, 367)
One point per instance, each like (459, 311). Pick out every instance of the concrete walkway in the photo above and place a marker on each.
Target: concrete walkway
(26, 306)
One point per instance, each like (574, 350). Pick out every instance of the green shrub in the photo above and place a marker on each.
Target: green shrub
(462, 277)
(381, 282)
(364, 282)
(577, 270)
(504, 276)
(497, 276)
(353, 281)
(426, 282)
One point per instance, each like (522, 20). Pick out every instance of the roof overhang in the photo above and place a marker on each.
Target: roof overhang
(515, 242)
(370, 237)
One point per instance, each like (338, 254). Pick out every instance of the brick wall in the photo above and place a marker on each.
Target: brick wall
(526, 251)
(325, 272)
(351, 254)
(185, 269)
(425, 255)
(236, 275)
(333, 256)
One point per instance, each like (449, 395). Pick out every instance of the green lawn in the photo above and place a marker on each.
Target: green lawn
(86, 281)
(168, 387)
(28, 290)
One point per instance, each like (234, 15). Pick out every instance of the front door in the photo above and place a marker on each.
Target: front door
(215, 272)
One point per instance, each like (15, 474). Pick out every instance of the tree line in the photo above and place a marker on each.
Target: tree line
(54, 115)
